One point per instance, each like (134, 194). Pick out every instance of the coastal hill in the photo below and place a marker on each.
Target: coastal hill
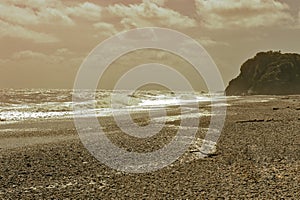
(268, 73)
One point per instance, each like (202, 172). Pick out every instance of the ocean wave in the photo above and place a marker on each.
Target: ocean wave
(26, 104)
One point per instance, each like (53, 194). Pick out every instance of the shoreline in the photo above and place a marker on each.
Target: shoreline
(258, 156)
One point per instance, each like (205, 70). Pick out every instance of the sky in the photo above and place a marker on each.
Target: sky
(44, 42)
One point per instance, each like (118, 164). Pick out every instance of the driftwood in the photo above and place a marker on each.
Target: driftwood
(256, 121)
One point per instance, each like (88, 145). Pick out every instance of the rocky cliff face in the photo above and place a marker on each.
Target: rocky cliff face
(268, 73)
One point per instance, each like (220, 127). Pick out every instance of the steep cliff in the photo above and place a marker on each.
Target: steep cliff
(268, 73)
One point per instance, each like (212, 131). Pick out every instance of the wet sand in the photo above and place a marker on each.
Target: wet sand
(258, 157)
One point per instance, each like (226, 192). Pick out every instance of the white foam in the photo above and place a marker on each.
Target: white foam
(220, 105)
(27, 107)
(181, 117)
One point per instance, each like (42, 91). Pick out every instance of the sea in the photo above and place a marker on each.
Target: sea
(35, 104)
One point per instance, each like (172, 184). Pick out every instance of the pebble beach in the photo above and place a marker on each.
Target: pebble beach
(257, 157)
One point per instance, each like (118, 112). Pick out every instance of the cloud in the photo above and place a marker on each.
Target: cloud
(16, 31)
(205, 41)
(217, 14)
(63, 52)
(54, 16)
(36, 3)
(129, 23)
(59, 56)
(24, 14)
(150, 14)
(159, 2)
(86, 10)
(27, 55)
(35, 12)
(3, 61)
(298, 21)
(105, 29)
(17, 17)
(31, 55)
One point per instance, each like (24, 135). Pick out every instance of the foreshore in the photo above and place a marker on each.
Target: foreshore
(257, 157)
